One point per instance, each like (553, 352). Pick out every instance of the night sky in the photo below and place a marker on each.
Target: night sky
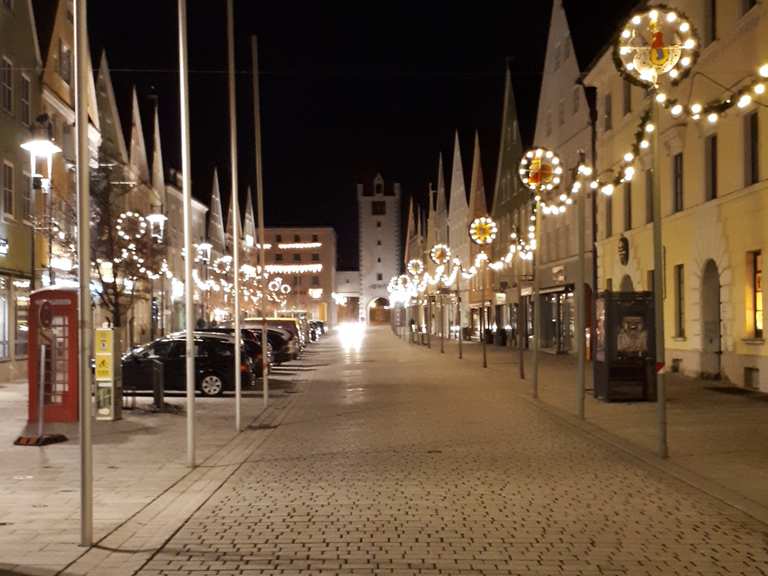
(346, 90)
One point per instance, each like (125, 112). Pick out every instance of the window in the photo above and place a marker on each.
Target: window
(379, 276)
(679, 301)
(278, 257)
(677, 182)
(297, 257)
(608, 216)
(757, 292)
(4, 348)
(26, 196)
(378, 242)
(378, 224)
(315, 280)
(710, 165)
(609, 284)
(65, 62)
(627, 206)
(315, 257)
(627, 100)
(8, 189)
(747, 5)
(576, 98)
(315, 238)
(21, 326)
(648, 196)
(278, 238)
(296, 238)
(378, 259)
(561, 112)
(378, 208)
(607, 113)
(26, 95)
(6, 84)
(710, 22)
(751, 152)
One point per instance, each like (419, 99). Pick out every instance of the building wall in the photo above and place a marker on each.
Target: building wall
(305, 285)
(723, 230)
(17, 44)
(380, 252)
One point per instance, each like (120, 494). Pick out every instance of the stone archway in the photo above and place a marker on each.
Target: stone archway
(626, 284)
(711, 322)
(378, 311)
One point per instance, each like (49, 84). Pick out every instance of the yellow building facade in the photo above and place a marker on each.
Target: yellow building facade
(714, 194)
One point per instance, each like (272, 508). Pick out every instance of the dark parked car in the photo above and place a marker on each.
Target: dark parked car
(214, 359)
(252, 343)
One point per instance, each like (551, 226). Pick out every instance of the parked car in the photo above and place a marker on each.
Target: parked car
(290, 325)
(285, 347)
(214, 359)
(252, 344)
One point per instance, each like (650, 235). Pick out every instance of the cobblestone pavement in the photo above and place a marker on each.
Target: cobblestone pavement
(398, 461)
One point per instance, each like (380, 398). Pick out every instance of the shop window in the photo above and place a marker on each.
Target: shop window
(21, 326)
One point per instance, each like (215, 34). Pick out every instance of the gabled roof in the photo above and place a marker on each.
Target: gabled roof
(231, 217)
(112, 138)
(510, 151)
(249, 227)
(441, 206)
(477, 204)
(138, 157)
(158, 172)
(215, 217)
(458, 187)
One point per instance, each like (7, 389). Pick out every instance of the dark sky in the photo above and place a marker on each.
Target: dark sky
(347, 90)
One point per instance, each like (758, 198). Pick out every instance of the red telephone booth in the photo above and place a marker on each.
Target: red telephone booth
(53, 323)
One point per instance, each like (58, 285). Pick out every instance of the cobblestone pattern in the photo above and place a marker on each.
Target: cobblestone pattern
(396, 461)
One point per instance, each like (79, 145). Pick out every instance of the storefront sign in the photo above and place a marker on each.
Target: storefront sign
(3, 246)
(501, 298)
(104, 356)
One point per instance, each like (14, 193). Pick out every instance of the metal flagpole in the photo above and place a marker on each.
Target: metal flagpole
(580, 303)
(260, 202)
(536, 304)
(235, 207)
(658, 300)
(84, 272)
(458, 313)
(186, 169)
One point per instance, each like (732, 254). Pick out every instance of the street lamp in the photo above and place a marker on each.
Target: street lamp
(40, 145)
(483, 232)
(657, 43)
(156, 222)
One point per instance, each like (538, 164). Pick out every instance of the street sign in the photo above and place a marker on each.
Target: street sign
(104, 355)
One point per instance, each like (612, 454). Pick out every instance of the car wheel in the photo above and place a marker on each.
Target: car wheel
(211, 385)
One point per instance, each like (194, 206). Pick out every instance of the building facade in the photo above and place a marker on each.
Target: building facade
(20, 65)
(563, 125)
(304, 258)
(379, 243)
(713, 196)
(458, 232)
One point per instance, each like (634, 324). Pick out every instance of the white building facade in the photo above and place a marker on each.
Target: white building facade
(379, 244)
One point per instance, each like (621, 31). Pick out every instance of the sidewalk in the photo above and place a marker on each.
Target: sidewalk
(716, 432)
(138, 461)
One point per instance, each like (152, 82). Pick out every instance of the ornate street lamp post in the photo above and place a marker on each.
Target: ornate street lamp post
(482, 232)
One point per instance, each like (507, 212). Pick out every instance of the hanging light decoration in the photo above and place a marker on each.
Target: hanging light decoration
(415, 267)
(483, 230)
(440, 254)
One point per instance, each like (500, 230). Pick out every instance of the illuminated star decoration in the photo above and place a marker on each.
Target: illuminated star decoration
(415, 267)
(440, 254)
(483, 230)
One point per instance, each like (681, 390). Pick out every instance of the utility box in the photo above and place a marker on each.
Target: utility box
(625, 357)
(108, 375)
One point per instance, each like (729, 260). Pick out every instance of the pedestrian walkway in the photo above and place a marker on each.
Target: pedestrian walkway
(396, 460)
(139, 462)
(716, 431)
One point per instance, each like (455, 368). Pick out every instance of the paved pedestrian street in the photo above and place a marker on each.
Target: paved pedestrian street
(397, 460)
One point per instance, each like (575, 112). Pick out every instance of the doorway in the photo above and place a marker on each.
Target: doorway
(710, 317)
